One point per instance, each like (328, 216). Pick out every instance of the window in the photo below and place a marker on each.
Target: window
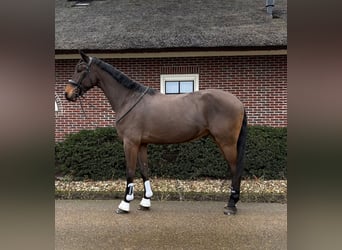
(179, 84)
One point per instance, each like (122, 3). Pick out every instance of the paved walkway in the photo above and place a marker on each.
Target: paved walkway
(92, 224)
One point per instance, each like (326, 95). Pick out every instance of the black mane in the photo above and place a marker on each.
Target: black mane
(121, 77)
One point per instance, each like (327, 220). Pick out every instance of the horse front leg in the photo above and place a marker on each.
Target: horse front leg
(131, 153)
(145, 203)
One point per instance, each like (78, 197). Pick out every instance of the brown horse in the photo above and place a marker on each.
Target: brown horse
(146, 116)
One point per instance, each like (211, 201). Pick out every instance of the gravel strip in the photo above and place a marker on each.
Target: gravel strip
(165, 185)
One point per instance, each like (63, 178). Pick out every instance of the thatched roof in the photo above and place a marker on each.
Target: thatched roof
(120, 25)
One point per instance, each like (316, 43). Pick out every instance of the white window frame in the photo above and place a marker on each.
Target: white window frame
(178, 77)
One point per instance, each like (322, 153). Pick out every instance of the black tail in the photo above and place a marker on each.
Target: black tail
(241, 146)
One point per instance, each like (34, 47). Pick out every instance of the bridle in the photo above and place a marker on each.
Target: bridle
(80, 89)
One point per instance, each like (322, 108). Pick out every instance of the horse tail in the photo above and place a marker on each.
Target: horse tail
(241, 145)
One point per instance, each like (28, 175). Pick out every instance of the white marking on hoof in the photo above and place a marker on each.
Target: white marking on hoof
(130, 195)
(145, 202)
(148, 190)
(124, 206)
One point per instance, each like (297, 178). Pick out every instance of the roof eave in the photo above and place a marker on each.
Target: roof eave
(173, 49)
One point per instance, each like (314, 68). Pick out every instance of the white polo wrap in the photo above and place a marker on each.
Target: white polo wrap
(124, 206)
(145, 202)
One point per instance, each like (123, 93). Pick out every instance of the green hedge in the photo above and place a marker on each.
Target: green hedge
(98, 155)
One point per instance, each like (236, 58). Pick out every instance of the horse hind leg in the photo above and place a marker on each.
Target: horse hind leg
(230, 154)
(233, 149)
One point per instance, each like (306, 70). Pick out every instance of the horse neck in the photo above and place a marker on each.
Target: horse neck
(113, 90)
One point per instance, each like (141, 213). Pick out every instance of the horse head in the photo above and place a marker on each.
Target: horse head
(82, 80)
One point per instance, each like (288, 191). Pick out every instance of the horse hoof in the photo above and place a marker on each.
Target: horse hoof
(230, 210)
(120, 211)
(143, 208)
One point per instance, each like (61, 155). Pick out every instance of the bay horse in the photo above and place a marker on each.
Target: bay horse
(146, 116)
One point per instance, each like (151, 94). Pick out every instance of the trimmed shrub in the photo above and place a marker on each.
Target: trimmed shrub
(193, 160)
(266, 153)
(91, 154)
(98, 155)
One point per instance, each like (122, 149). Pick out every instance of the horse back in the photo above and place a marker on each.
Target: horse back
(194, 109)
(217, 101)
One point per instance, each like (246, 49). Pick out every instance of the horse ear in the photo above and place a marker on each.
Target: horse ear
(84, 56)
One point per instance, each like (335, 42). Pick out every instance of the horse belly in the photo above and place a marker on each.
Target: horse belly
(173, 129)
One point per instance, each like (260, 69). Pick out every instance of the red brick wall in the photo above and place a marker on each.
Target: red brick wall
(260, 82)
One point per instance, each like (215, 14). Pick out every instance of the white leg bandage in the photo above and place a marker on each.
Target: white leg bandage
(124, 206)
(130, 195)
(145, 202)
(148, 190)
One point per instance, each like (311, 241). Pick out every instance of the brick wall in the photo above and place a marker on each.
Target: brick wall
(260, 82)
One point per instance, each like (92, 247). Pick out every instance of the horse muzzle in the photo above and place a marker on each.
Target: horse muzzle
(71, 93)
(70, 97)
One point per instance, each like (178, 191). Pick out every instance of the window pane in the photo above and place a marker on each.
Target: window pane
(186, 86)
(171, 87)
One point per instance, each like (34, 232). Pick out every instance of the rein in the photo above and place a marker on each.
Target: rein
(132, 107)
(84, 113)
(94, 107)
(81, 91)
(123, 116)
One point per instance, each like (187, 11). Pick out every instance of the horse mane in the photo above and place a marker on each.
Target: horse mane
(122, 78)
